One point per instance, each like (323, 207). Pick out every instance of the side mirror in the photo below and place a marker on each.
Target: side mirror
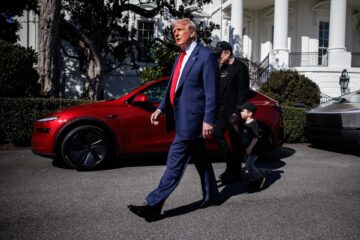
(140, 98)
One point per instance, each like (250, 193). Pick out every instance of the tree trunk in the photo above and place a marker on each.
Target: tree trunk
(94, 85)
(62, 76)
(49, 51)
(94, 88)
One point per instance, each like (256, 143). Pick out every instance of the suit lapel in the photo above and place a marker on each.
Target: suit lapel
(189, 63)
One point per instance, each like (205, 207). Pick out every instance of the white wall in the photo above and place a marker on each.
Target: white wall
(328, 78)
(215, 11)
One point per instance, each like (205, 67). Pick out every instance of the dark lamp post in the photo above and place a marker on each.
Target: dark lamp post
(344, 82)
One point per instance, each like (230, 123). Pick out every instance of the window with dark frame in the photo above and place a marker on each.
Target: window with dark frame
(145, 36)
(323, 42)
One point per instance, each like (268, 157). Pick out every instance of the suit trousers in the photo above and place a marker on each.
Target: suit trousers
(180, 153)
(233, 153)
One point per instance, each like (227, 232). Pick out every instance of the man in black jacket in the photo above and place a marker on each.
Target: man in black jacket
(234, 91)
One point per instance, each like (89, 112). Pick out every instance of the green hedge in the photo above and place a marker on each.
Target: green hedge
(17, 116)
(18, 77)
(290, 88)
(294, 120)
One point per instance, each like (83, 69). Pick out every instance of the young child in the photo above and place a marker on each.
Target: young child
(249, 136)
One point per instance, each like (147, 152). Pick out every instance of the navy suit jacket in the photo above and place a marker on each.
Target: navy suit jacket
(197, 96)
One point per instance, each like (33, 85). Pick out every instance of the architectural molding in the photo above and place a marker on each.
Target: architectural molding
(248, 16)
(270, 12)
(323, 6)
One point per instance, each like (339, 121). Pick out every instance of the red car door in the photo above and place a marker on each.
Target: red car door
(141, 136)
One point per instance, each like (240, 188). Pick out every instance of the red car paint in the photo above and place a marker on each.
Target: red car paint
(128, 120)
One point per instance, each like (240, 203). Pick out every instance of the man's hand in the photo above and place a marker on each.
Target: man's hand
(234, 121)
(155, 117)
(208, 130)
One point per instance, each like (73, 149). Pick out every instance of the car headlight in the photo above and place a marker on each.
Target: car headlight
(48, 119)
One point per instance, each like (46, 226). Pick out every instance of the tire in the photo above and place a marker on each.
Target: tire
(86, 147)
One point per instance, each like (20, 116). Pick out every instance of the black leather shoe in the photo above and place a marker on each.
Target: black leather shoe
(146, 211)
(224, 174)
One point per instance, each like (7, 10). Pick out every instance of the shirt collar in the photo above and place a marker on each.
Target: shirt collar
(190, 48)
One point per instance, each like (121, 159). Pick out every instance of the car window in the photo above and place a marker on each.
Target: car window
(156, 92)
(355, 98)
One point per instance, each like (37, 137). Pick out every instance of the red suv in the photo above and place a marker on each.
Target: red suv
(87, 135)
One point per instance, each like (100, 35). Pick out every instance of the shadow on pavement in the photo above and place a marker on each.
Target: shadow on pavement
(273, 161)
(151, 159)
(182, 210)
(155, 159)
(60, 164)
(138, 160)
(338, 149)
(272, 175)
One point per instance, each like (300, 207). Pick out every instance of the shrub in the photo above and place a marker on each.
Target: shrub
(18, 78)
(294, 123)
(290, 89)
(18, 114)
(151, 73)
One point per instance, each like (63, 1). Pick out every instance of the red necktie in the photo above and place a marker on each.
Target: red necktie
(176, 77)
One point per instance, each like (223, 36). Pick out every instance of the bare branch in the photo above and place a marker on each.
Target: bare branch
(142, 11)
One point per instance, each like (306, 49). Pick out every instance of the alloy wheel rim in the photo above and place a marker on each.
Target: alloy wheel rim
(86, 148)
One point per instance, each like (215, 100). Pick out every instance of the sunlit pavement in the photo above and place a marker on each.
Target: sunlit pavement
(309, 194)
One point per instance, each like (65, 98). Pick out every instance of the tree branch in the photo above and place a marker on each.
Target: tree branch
(85, 39)
(67, 54)
(142, 11)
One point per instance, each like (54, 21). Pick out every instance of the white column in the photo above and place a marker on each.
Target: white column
(279, 58)
(255, 55)
(237, 26)
(338, 57)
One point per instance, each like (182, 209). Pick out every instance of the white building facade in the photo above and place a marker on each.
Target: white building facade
(317, 38)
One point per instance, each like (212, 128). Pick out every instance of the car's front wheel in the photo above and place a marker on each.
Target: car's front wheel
(86, 147)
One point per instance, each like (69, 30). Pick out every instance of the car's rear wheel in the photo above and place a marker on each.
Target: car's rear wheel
(86, 147)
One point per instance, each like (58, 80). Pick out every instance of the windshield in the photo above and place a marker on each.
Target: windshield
(353, 97)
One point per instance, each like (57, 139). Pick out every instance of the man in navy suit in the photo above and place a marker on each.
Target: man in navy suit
(190, 105)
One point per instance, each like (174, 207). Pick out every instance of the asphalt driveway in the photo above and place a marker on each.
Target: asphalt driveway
(309, 194)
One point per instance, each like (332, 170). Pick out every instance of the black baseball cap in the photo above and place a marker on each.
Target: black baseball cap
(222, 46)
(249, 106)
